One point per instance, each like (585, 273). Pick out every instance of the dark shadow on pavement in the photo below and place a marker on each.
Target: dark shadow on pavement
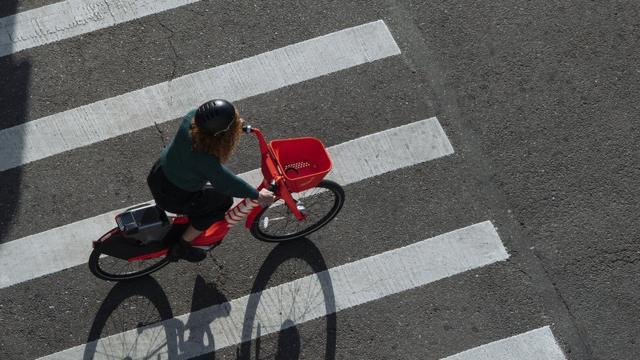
(289, 345)
(141, 305)
(8, 8)
(136, 321)
(15, 70)
(201, 340)
(288, 342)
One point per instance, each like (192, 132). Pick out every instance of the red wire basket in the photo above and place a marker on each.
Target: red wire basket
(304, 161)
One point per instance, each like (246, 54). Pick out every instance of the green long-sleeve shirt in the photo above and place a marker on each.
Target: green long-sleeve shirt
(190, 170)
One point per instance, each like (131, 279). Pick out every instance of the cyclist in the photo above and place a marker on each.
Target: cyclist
(196, 154)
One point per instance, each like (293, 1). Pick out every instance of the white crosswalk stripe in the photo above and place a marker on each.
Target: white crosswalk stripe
(71, 18)
(538, 344)
(353, 284)
(70, 245)
(143, 108)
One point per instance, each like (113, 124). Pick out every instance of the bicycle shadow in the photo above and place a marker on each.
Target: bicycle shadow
(15, 71)
(289, 342)
(142, 306)
(135, 320)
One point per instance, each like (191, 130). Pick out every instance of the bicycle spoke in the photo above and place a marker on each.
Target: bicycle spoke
(321, 204)
(287, 223)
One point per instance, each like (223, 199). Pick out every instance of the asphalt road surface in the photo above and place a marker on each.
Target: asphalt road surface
(519, 243)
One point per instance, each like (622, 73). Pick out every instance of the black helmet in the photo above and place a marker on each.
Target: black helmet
(215, 116)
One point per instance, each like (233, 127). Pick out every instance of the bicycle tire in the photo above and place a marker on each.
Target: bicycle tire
(95, 261)
(326, 186)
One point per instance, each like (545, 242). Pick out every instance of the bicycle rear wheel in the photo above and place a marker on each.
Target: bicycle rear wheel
(321, 204)
(113, 268)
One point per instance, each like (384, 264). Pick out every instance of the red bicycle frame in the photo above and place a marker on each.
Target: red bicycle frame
(273, 174)
(273, 179)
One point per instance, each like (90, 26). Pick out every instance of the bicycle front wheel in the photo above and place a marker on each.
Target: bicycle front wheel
(320, 205)
(113, 268)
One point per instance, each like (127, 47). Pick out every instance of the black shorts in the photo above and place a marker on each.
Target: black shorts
(203, 207)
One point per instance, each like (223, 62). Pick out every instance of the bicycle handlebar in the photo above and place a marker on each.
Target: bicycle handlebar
(273, 174)
(265, 151)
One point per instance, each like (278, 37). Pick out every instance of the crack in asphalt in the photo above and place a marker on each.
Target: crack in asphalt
(605, 259)
(106, 3)
(625, 260)
(163, 138)
(176, 57)
(556, 289)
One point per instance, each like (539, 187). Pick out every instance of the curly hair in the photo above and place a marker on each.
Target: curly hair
(220, 146)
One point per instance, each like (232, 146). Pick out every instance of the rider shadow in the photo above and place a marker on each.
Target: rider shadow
(288, 345)
(200, 339)
(143, 306)
(289, 340)
(15, 70)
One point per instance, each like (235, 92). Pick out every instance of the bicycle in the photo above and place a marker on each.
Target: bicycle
(294, 169)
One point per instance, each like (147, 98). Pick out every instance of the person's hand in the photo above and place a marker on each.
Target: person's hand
(266, 198)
